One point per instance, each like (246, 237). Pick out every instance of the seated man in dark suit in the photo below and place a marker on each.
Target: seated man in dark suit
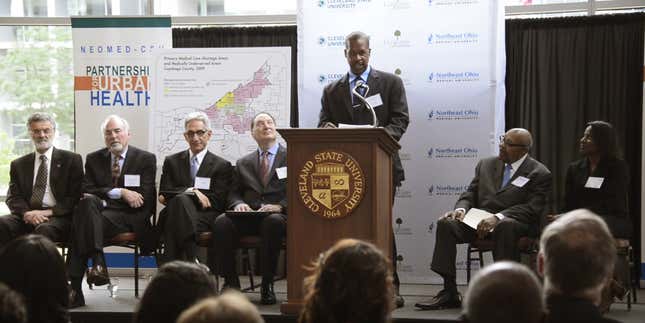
(119, 196)
(513, 187)
(194, 184)
(259, 183)
(576, 259)
(44, 186)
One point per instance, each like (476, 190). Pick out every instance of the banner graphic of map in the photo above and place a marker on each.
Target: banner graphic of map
(230, 85)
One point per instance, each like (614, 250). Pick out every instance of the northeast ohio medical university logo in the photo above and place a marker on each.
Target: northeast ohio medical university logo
(341, 4)
(446, 189)
(453, 77)
(452, 38)
(466, 152)
(331, 184)
(452, 114)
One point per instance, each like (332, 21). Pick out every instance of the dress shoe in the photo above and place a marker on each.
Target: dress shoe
(76, 298)
(231, 283)
(98, 276)
(399, 301)
(267, 296)
(618, 290)
(443, 300)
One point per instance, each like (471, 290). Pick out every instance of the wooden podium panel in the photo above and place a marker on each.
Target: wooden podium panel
(312, 226)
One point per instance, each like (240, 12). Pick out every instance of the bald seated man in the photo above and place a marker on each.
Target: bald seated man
(513, 187)
(576, 259)
(504, 292)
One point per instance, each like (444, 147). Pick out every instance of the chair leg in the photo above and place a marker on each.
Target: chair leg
(136, 271)
(468, 259)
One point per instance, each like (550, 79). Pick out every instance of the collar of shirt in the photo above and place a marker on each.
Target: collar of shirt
(273, 150)
(364, 76)
(200, 156)
(47, 153)
(516, 165)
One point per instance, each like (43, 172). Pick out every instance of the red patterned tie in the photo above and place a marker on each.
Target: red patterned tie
(264, 167)
(116, 171)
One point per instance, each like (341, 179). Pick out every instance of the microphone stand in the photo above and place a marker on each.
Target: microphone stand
(367, 104)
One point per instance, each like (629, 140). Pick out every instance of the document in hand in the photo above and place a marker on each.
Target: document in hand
(474, 216)
(345, 125)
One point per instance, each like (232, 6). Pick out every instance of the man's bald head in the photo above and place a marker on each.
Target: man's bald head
(514, 144)
(504, 292)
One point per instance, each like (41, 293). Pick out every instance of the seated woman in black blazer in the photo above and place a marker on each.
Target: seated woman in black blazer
(600, 180)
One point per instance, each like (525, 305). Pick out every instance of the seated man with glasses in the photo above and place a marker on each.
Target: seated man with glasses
(513, 187)
(194, 185)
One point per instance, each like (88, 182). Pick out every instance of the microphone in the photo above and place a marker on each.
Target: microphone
(362, 85)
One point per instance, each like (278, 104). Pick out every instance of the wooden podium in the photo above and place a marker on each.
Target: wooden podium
(339, 186)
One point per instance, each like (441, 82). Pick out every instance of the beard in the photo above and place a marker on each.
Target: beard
(42, 144)
(116, 147)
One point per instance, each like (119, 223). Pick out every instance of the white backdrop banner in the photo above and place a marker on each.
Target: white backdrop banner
(113, 74)
(450, 56)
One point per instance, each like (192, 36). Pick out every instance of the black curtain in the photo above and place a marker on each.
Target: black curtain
(562, 73)
(265, 36)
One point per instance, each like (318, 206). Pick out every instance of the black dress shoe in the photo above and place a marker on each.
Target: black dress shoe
(76, 298)
(399, 301)
(98, 276)
(267, 296)
(442, 300)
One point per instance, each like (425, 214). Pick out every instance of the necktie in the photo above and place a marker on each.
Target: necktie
(36, 200)
(264, 167)
(116, 170)
(194, 166)
(360, 90)
(507, 175)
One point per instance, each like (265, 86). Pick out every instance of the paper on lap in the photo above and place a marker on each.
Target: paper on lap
(474, 216)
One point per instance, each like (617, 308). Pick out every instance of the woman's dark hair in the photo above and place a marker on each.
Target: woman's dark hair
(12, 306)
(604, 137)
(176, 286)
(32, 266)
(352, 282)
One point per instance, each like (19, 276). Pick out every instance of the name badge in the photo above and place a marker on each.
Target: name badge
(375, 100)
(202, 183)
(281, 172)
(594, 182)
(520, 181)
(131, 180)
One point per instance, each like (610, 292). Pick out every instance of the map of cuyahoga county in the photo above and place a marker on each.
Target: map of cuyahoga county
(230, 86)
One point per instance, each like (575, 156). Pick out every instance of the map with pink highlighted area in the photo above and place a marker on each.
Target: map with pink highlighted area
(230, 86)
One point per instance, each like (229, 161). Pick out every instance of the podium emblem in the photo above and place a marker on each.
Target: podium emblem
(331, 184)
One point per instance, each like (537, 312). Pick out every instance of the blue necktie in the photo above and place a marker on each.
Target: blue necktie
(193, 168)
(360, 90)
(507, 175)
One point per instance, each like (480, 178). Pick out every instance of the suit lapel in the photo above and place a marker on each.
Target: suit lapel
(54, 171)
(254, 164)
(29, 171)
(347, 99)
(278, 160)
(205, 166)
(498, 172)
(184, 168)
(521, 171)
(374, 82)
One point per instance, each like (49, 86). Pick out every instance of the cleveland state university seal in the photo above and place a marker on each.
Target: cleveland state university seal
(331, 184)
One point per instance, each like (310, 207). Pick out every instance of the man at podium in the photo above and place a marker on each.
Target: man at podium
(386, 96)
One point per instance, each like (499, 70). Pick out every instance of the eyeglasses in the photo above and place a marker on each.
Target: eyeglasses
(199, 133)
(507, 143)
(46, 131)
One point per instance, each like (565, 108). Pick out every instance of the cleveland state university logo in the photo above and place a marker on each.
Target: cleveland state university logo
(331, 184)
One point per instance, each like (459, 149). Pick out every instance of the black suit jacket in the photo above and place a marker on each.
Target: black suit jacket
(524, 204)
(65, 176)
(98, 181)
(609, 201)
(565, 309)
(247, 186)
(393, 115)
(175, 177)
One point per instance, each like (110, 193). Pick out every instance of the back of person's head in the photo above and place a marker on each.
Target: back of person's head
(176, 286)
(12, 306)
(577, 255)
(230, 307)
(351, 282)
(504, 292)
(32, 266)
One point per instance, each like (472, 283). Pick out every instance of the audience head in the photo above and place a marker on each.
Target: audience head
(176, 286)
(577, 255)
(37, 271)
(42, 128)
(514, 144)
(197, 131)
(116, 133)
(357, 51)
(230, 307)
(12, 306)
(351, 282)
(600, 139)
(504, 292)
